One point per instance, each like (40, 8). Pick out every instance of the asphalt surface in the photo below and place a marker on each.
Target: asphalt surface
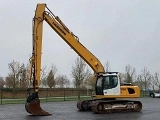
(67, 110)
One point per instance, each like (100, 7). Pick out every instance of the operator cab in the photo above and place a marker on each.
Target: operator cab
(108, 84)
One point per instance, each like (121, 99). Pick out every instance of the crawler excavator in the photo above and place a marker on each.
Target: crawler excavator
(107, 87)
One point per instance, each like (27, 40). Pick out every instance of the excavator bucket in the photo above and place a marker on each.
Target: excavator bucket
(33, 107)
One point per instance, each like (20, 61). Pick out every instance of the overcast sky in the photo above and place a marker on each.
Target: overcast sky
(119, 31)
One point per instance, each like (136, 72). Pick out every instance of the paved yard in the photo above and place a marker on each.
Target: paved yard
(68, 111)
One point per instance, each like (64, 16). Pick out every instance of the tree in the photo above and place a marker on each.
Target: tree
(79, 72)
(54, 69)
(139, 81)
(152, 82)
(23, 77)
(107, 67)
(91, 81)
(156, 80)
(15, 70)
(43, 78)
(62, 81)
(9, 81)
(50, 79)
(129, 74)
(2, 82)
(146, 77)
(122, 78)
(19, 74)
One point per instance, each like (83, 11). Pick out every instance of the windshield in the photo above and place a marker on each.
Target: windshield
(110, 81)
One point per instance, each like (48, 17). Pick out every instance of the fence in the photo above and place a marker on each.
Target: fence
(48, 95)
(45, 95)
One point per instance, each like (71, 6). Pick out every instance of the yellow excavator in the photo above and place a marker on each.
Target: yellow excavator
(107, 87)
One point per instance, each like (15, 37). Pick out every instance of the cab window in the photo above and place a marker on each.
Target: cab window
(110, 82)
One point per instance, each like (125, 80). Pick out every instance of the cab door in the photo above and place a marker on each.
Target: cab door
(99, 86)
(111, 85)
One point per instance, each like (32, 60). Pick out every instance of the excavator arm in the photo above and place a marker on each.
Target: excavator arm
(43, 13)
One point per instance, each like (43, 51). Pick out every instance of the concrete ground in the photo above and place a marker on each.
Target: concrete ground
(67, 110)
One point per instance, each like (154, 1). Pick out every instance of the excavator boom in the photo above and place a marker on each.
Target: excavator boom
(43, 13)
(73, 41)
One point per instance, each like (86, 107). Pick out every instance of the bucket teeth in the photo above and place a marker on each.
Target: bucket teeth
(33, 107)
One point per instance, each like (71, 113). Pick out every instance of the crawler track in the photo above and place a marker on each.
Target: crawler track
(109, 106)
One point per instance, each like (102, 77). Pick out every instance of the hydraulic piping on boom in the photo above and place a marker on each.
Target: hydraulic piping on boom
(107, 87)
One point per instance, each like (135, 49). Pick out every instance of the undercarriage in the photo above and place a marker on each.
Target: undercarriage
(109, 106)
